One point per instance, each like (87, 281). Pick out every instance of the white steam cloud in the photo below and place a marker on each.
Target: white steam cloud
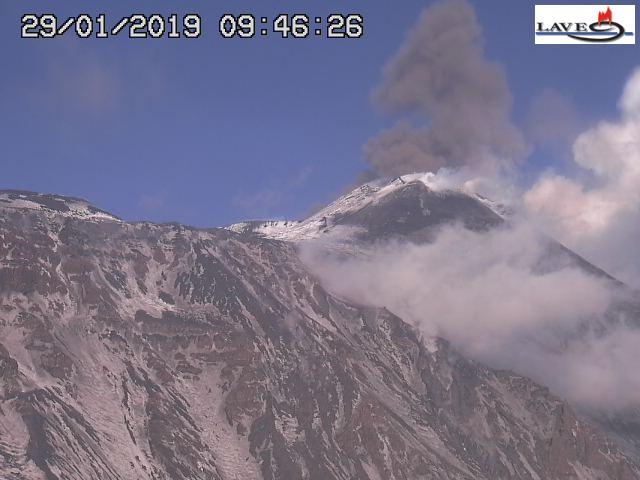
(454, 107)
(598, 215)
(486, 292)
(462, 100)
(489, 296)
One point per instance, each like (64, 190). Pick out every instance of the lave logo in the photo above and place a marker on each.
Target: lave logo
(576, 24)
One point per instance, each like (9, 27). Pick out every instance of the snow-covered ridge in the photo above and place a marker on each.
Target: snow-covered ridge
(53, 204)
(266, 227)
(309, 228)
(357, 199)
(498, 208)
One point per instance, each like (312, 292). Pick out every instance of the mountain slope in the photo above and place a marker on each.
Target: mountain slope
(411, 208)
(406, 206)
(52, 205)
(162, 352)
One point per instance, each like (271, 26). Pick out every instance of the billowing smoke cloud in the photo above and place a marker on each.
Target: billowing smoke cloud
(462, 100)
(486, 293)
(599, 214)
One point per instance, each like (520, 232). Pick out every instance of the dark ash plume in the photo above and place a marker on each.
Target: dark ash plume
(461, 100)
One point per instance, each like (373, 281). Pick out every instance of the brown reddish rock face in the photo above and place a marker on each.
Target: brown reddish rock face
(164, 352)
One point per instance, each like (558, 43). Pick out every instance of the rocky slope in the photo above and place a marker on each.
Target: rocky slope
(408, 209)
(405, 206)
(411, 208)
(142, 351)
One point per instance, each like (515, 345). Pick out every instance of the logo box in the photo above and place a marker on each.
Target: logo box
(585, 24)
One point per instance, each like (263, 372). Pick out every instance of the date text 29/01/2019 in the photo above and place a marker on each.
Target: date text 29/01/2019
(191, 25)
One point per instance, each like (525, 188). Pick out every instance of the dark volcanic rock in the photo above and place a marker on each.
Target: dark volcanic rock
(413, 211)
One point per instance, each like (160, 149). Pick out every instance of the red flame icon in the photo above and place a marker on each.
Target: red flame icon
(605, 16)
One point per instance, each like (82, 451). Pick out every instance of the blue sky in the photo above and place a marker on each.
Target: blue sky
(210, 131)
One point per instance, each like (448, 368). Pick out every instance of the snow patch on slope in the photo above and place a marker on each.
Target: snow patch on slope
(370, 193)
(53, 204)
